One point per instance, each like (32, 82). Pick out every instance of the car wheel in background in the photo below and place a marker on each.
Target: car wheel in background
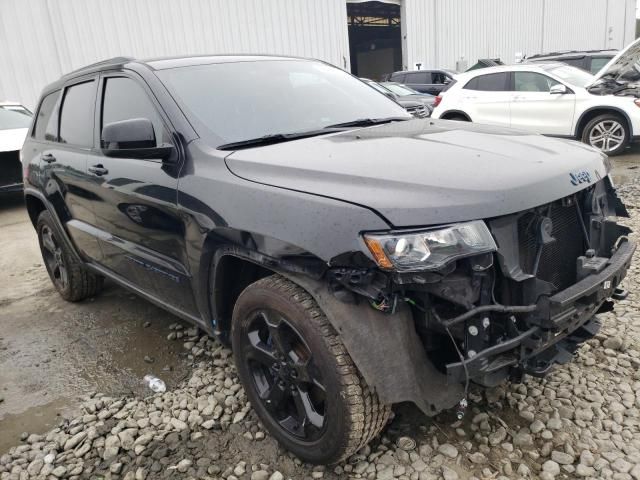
(70, 277)
(608, 132)
(298, 375)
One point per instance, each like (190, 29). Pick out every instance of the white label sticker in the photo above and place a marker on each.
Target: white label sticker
(607, 285)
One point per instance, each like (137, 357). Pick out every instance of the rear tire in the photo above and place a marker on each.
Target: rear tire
(341, 413)
(608, 133)
(70, 277)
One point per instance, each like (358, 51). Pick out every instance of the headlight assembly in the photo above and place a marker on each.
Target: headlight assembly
(429, 249)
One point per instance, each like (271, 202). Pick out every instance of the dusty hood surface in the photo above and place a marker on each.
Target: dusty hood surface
(12, 139)
(427, 172)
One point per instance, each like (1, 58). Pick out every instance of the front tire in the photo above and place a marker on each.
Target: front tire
(70, 278)
(608, 133)
(298, 375)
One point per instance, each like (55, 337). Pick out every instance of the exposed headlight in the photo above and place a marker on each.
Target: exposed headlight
(429, 249)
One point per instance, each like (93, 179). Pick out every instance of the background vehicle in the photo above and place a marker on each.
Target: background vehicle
(14, 123)
(424, 81)
(280, 204)
(417, 104)
(548, 98)
(589, 60)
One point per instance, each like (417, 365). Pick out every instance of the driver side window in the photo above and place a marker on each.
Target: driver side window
(124, 99)
(532, 82)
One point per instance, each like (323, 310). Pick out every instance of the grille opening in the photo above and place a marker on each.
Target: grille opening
(558, 259)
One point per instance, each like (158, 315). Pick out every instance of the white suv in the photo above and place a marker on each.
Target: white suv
(553, 99)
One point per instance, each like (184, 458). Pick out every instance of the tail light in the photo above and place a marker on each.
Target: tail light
(437, 100)
(637, 102)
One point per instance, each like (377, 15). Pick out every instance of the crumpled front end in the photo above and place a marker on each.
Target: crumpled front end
(530, 304)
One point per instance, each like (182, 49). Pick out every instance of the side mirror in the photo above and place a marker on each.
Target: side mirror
(558, 89)
(133, 138)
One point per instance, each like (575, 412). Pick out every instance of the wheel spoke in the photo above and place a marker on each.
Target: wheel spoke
(259, 351)
(47, 241)
(307, 415)
(277, 337)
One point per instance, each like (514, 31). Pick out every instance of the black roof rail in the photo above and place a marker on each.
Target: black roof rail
(565, 52)
(111, 62)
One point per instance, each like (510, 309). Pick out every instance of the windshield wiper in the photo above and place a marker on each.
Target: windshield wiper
(365, 122)
(272, 139)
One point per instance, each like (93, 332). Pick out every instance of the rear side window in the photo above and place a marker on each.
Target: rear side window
(47, 120)
(124, 99)
(418, 77)
(597, 63)
(574, 62)
(438, 77)
(398, 77)
(493, 82)
(76, 118)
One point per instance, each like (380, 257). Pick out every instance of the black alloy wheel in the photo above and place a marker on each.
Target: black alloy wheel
(286, 379)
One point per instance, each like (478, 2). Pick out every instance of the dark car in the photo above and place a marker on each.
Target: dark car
(14, 123)
(418, 105)
(353, 256)
(424, 81)
(591, 61)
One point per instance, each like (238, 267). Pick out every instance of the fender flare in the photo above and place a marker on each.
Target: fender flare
(60, 230)
(386, 349)
(604, 107)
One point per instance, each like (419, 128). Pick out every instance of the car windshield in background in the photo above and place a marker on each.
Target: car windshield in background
(400, 89)
(10, 118)
(233, 102)
(571, 75)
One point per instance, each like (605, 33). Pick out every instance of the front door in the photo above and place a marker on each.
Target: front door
(534, 108)
(142, 233)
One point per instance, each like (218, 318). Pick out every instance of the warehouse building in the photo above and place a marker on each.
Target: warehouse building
(42, 39)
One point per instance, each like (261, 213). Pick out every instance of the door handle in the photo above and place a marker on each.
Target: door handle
(98, 170)
(48, 158)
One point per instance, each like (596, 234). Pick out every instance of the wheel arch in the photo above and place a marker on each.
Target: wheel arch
(593, 112)
(449, 114)
(35, 206)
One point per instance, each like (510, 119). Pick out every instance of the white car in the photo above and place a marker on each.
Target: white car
(553, 99)
(15, 120)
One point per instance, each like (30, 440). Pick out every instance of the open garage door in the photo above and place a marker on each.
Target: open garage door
(375, 40)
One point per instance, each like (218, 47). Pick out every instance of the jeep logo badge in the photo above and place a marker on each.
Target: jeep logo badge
(580, 177)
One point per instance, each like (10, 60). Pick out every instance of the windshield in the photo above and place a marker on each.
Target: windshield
(571, 75)
(401, 90)
(231, 102)
(12, 117)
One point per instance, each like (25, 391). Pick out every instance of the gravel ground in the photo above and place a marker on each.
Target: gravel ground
(582, 421)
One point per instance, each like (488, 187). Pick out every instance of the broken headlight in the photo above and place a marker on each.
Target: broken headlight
(429, 249)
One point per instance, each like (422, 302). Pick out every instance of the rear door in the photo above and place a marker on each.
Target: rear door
(486, 99)
(535, 109)
(420, 81)
(64, 135)
(141, 231)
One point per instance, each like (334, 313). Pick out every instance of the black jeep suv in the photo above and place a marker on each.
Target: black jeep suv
(352, 255)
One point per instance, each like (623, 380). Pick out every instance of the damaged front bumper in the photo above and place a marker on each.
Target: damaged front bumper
(563, 321)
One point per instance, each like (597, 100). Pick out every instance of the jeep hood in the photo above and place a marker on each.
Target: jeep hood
(623, 69)
(426, 172)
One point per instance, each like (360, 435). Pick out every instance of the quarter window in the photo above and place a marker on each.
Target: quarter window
(532, 82)
(493, 82)
(124, 99)
(47, 119)
(76, 118)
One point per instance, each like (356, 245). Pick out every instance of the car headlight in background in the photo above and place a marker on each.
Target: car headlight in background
(429, 249)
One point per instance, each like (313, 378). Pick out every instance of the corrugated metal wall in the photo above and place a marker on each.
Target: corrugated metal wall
(440, 32)
(42, 39)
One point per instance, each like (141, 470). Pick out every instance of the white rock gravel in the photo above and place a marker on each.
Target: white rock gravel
(582, 421)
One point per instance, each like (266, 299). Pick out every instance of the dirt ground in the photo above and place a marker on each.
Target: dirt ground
(52, 352)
